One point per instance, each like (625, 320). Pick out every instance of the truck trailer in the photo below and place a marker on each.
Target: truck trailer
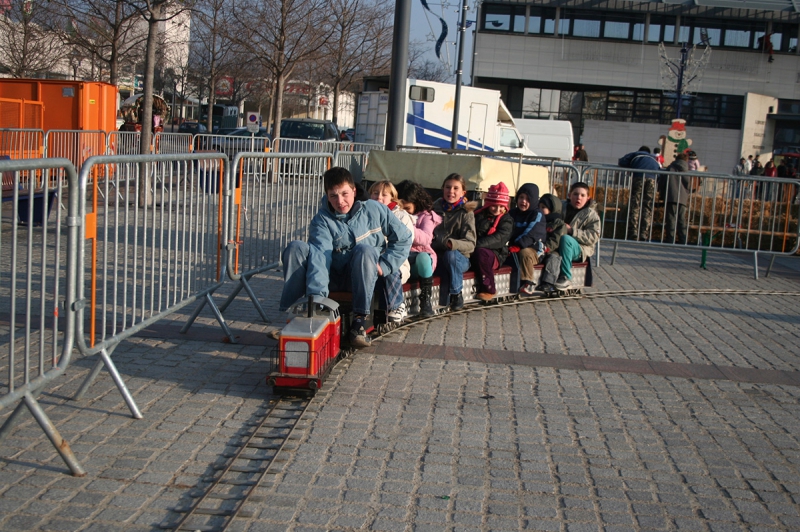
(485, 124)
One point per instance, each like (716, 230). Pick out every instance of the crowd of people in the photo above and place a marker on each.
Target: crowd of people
(401, 233)
(674, 189)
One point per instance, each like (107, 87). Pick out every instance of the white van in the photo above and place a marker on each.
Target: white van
(547, 138)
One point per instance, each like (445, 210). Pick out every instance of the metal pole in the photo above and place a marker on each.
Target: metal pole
(462, 29)
(397, 81)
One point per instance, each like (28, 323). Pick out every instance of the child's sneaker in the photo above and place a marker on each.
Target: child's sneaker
(358, 334)
(547, 288)
(485, 296)
(527, 288)
(397, 315)
(563, 283)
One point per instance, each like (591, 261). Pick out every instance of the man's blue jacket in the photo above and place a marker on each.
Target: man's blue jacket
(333, 236)
(640, 160)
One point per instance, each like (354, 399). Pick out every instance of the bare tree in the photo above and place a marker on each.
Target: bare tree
(360, 43)
(106, 31)
(214, 48)
(29, 49)
(430, 70)
(154, 12)
(281, 34)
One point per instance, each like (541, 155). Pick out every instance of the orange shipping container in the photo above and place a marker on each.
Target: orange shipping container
(68, 104)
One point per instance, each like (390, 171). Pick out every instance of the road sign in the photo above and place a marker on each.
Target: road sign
(252, 122)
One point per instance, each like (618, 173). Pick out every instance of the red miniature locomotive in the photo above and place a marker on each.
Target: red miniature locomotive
(308, 346)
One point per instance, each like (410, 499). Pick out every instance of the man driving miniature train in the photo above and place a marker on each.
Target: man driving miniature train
(352, 246)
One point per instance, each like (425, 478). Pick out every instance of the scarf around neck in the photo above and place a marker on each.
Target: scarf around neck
(453, 206)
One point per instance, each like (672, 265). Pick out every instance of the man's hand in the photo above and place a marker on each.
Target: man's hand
(380, 271)
(569, 229)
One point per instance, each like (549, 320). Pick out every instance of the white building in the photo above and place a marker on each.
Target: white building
(596, 63)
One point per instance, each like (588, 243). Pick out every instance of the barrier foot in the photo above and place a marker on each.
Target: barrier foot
(769, 268)
(755, 266)
(220, 319)
(112, 369)
(231, 297)
(190, 321)
(52, 433)
(105, 359)
(5, 430)
(614, 253)
(208, 300)
(254, 299)
(87, 382)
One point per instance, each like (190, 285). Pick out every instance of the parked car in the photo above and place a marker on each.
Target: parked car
(226, 130)
(241, 140)
(192, 127)
(309, 129)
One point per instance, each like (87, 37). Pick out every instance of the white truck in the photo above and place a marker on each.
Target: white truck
(484, 121)
(548, 138)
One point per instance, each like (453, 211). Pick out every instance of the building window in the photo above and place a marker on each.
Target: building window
(585, 27)
(616, 26)
(503, 18)
(617, 30)
(620, 106)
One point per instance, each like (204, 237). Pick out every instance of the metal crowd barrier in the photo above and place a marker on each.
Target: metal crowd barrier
(354, 161)
(172, 143)
(22, 143)
(282, 145)
(357, 147)
(38, 293)
(230, 145)
(77, 146)
(275, 196)
(156, 245)
(715, 211)
(124, 143)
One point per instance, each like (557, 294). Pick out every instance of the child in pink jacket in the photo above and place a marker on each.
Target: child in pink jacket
(422, 258)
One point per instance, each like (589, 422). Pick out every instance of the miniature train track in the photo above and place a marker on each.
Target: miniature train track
(245, 469)
(514, 300)
(237, 479)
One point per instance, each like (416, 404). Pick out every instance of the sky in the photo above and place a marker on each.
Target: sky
(426, 28)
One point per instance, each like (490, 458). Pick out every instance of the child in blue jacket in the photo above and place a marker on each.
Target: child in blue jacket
(352, 245)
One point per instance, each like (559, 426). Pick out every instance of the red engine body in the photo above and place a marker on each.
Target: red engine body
(308, 345)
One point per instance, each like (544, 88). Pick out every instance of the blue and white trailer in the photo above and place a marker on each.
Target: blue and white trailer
(484, 123)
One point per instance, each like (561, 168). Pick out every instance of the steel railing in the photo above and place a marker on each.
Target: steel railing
(22, 143)
(38, 292)
(77, 146)
(713, 211)
(155, 245)
(124, 143)
(172, 143)
(275, 196)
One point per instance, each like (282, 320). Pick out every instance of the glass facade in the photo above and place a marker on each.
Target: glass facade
(617, 26)
(648, 106)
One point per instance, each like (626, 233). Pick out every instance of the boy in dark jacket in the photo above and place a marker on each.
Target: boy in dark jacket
(528, 234)
(583, 232)
(493, 228)
(550, 207)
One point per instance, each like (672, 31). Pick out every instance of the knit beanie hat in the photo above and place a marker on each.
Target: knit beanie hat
(497, 195)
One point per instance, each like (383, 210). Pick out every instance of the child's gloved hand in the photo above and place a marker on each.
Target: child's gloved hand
(514, 249)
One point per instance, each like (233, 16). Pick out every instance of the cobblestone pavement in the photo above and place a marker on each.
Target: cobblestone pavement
(426, 443)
